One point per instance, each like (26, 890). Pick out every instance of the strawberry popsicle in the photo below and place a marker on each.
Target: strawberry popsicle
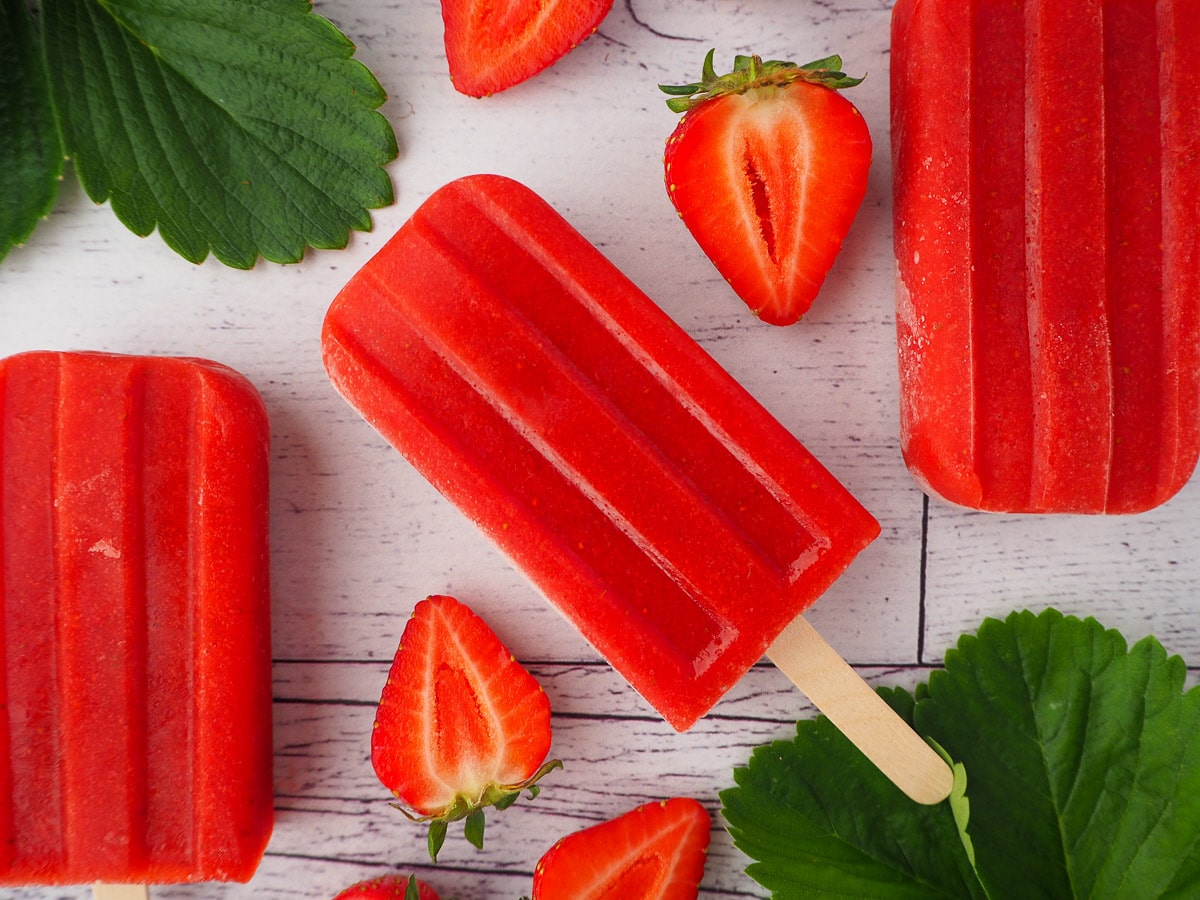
(652, 500)
(135, 745)
(1047, 239)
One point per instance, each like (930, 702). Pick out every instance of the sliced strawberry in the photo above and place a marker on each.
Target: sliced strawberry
(767, 169)
(493, 44)
(389, 887)
(461, 725)
(654, 852)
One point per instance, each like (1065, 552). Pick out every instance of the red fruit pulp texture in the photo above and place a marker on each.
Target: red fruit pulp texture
(769, 182)
(386, 887)
(1047, 228)
(458, 714)
(136, 634)
(654, 852)
(491, 47)
(654, 501)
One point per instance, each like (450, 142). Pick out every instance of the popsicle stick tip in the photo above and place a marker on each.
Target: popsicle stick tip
(928, 784)
(860, 713)
(120, 892)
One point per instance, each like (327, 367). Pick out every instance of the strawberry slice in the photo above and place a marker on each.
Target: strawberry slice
(493, 44)
(389, 887)
(461, 725)
(654, 852)
(767, 168)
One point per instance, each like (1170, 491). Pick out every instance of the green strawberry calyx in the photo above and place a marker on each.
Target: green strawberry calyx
(500, 796)
(754, 72)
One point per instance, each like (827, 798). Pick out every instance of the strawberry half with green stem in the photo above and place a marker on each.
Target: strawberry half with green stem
(461, 725)
(654, 852)
(767, 168)
(492, 45)
(389, 887)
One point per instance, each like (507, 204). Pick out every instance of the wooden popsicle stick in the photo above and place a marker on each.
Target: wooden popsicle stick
(859, 713)
(120, 892)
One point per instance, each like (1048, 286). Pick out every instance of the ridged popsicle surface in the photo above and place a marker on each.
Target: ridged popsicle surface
(1047, 236)
(653, 501)
(135, 739)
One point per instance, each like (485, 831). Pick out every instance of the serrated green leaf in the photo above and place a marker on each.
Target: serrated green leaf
(1081, 760)
(821, 821)
(240, 129)
(1083, 757)
(31, 155)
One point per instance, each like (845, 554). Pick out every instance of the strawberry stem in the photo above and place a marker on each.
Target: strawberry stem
(753, 72)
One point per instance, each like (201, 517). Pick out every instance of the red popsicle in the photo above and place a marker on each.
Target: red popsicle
(134, 631)
(677, 524)
(1047, 236)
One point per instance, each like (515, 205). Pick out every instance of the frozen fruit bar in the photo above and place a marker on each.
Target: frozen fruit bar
(135, 744)
(1047, 238)
(649, 496)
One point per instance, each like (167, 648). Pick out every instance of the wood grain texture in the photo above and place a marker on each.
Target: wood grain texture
(358, 537)
(837, 690)
(120, 892)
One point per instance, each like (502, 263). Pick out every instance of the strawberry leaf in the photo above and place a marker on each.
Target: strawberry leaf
(1083, 757)
(1077, 763)
(821, 821)
(240, 129)
(31, 155)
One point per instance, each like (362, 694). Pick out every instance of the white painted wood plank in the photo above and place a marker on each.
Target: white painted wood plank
(358, 538)
(1135, 573)
(340, 813)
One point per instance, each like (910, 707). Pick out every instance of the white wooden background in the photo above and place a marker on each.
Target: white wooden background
(358, 537)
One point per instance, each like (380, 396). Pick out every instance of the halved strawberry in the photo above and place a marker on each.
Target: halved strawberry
(654, 852)
(389, 887)
(461, 725)
(493, 44)
(767, 169)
